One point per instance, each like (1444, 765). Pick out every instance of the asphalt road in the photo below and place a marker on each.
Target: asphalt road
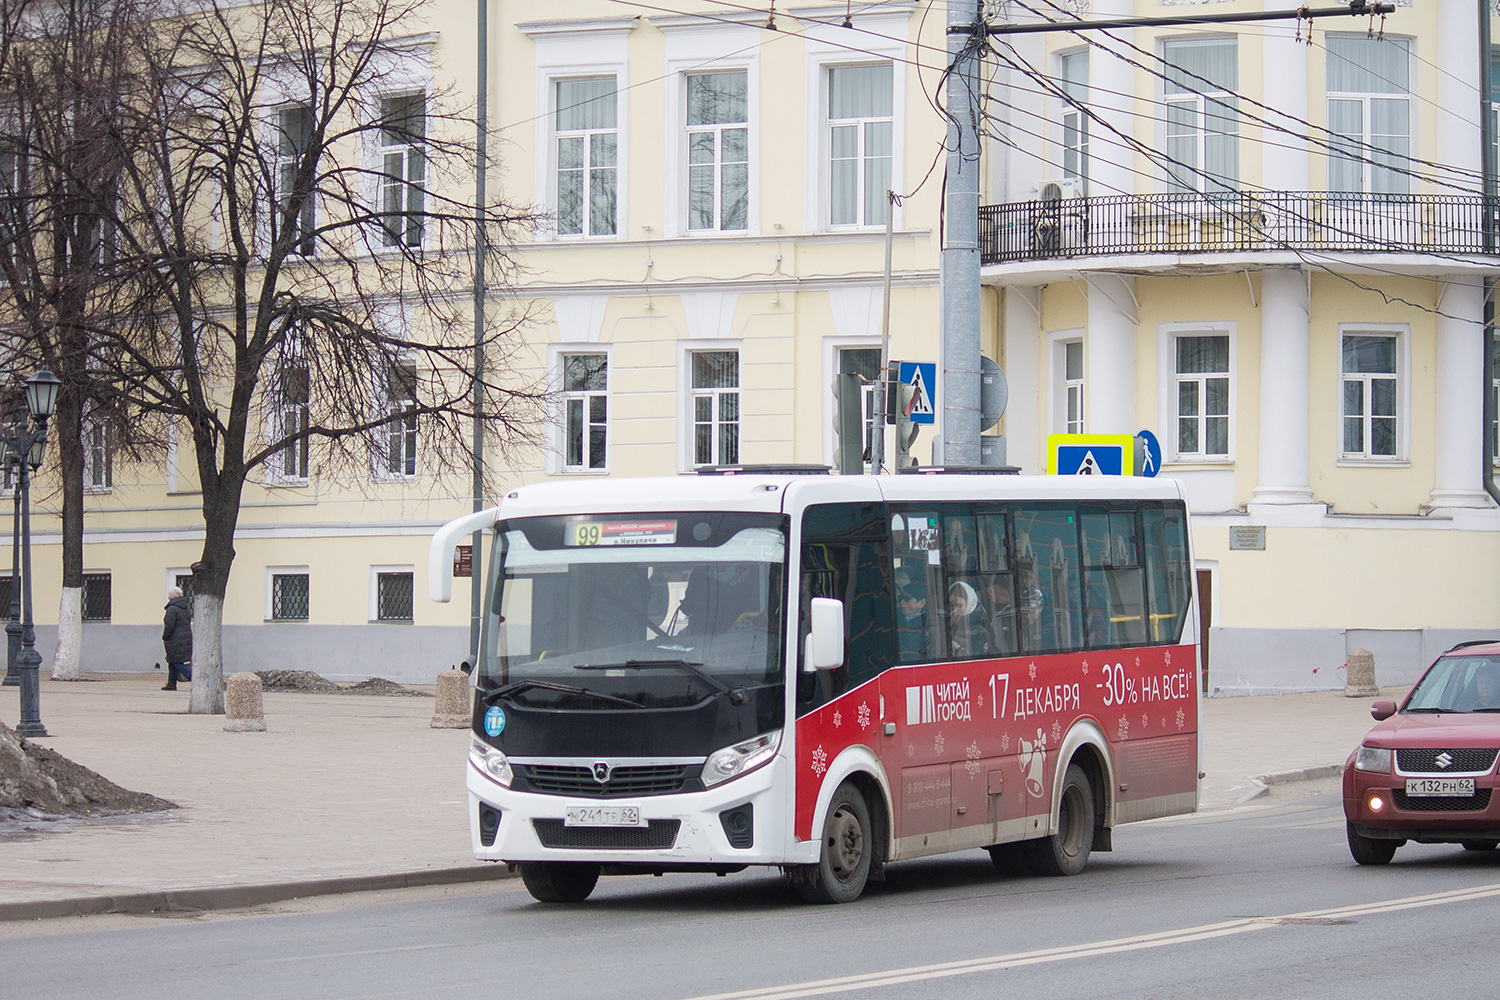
(1260, 902)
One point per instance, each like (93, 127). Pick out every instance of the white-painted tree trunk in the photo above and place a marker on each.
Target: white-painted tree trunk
(208, 656)
(67, 657)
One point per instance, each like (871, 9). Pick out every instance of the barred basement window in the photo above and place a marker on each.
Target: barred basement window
(5, 594)
(393, 597)
(289, 592)
(185, 584)
(97, 598)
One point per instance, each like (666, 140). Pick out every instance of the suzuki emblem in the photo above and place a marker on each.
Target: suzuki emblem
(601, 771)
(1444, 759)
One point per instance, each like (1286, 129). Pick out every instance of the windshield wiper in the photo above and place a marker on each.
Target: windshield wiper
(736, 696)
(495, 694)
(1428, 711)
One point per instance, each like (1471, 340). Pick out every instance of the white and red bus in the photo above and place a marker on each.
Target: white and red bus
(827, 674)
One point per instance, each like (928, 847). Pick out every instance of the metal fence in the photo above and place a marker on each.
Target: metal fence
(1187, 222)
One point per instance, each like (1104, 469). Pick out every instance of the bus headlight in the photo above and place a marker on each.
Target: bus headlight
(731, 762)
(489, 760)
(1376, 759)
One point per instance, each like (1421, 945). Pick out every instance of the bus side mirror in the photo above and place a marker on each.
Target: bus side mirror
(825, 640)
(466, 667)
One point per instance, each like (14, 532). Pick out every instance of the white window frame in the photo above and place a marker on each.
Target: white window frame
(274, 571)
(588, 136)
(687, 437)
(383, 179)
(1402, 333)
(1363, 143)
(883, 38)
(400, 421)
(1057, 381)
(1167, 335)
(92, 426)
(279, 408)
(306, 244)
(558, 364)
(374, 608)
(862, 196)
(832, 348)
(1072, 118)
(717, 130)
(1201, 105)
(576, 49)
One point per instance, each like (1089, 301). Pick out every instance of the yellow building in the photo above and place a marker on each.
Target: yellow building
(1264, 249)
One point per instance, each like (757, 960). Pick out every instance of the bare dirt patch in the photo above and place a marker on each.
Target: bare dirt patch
(308, 682)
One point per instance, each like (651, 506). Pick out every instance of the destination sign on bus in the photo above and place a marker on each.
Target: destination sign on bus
(591, 533)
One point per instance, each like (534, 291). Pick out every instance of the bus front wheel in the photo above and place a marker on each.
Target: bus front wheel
(559, 881)
(844, 861)
(1067, 851)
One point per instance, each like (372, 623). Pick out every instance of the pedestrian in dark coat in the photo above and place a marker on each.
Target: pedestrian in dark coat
(177, 637)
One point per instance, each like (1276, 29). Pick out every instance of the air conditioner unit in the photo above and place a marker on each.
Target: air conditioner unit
(1060, 222)
(1059, 189)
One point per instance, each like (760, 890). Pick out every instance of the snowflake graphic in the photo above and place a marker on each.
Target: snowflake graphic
(1005, 743)
(838, 719)
(819, 761)
(1181, 718)
(937, 743)
(1056, 732)
(1033, 670)
(911, 751)
(1137, 662)
(864, 716)
(1145, 720)
(1085, 668)
(1169, 657)
(979, 698)
(1164, 722)
(972, 764)
(1122, 731)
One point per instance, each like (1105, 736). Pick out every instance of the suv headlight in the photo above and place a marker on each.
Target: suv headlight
(731, 762)
(490, 761)
(1373, 759)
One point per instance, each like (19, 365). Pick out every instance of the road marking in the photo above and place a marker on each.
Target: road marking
(1139, 942)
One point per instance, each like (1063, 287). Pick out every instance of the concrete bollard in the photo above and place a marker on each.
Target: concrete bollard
(244, 708)
(1359, 679)
(452, 710)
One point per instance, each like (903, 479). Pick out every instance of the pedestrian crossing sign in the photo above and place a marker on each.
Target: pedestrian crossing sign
(922, 377)
(1091, 454)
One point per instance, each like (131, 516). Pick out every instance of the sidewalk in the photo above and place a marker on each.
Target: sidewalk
(348, 793)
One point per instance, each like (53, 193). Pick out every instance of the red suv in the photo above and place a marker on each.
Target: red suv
(1426, 772)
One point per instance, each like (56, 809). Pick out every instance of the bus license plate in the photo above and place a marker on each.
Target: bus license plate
(605, 816)
(1448, 787)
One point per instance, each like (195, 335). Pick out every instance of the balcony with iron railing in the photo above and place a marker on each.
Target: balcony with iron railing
(1260, 222)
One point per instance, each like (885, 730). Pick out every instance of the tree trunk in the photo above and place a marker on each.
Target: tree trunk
(64, 437)
(221, 508)
(66, 658)
(208, 654)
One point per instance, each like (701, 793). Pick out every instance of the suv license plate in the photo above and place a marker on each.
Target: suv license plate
(609, 815)
(1448, 787)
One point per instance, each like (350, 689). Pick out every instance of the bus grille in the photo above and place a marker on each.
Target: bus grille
(1458, 803)
(658, 834)
(1465, 761)
(649, 779)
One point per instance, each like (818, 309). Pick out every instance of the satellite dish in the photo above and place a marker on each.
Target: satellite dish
(994, 393)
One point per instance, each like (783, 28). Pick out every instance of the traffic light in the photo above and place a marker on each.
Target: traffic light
(906, 431)
(848, 425)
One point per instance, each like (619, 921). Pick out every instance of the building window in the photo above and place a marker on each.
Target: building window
(1202, 370)
(294, 127)
(1067, 391)
(1371, 379)
(864, 362)
(716, 407)
(861, 128)
(184, 583)
(1073, 80)
(403, 130)
(98, 455)
(289, 421)
(1369, 114)
(400, 453)
(393, 596)
(587, 157)
(718, 144)
(585, 411)
(96, 597)
(289, 593)
(1202, 129)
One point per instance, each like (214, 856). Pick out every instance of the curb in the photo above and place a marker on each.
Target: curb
(236, 897)
(1261, 783)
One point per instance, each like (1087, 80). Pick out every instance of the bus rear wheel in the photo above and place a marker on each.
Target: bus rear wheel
(1067, 851)
(559, 881)
(844, 862)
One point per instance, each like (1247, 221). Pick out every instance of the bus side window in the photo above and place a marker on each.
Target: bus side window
(1168, 575)
(845, 555)
(1114, 587)
(1047, 577)
(921, 599)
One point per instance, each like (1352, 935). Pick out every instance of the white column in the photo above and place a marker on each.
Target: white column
(1458, 137)
(1109, 356)
(1284, 159)
(1026, 375)
(1283, 389)
(1111, 84)
(1460, 396)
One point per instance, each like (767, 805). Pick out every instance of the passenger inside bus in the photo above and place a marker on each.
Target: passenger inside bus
(720, 598)
(1003, 625)
(968, 629)
(911, 609)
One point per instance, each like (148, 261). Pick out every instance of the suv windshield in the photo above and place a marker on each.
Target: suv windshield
(635, 611)
(1458, 684)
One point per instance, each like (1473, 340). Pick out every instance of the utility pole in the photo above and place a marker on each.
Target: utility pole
(1487, 160)
(960, 252)
(481, 144)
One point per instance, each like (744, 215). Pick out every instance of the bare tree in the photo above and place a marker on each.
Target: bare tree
(296, 262)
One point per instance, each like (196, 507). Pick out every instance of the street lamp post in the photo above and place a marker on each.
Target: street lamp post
(28, 443)
(13, 626)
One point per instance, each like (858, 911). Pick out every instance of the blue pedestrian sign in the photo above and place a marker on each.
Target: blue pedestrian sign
(922, 377)
(1150, 461)
(1091, 454)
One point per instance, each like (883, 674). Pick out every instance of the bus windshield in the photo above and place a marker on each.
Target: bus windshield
(623, 612)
